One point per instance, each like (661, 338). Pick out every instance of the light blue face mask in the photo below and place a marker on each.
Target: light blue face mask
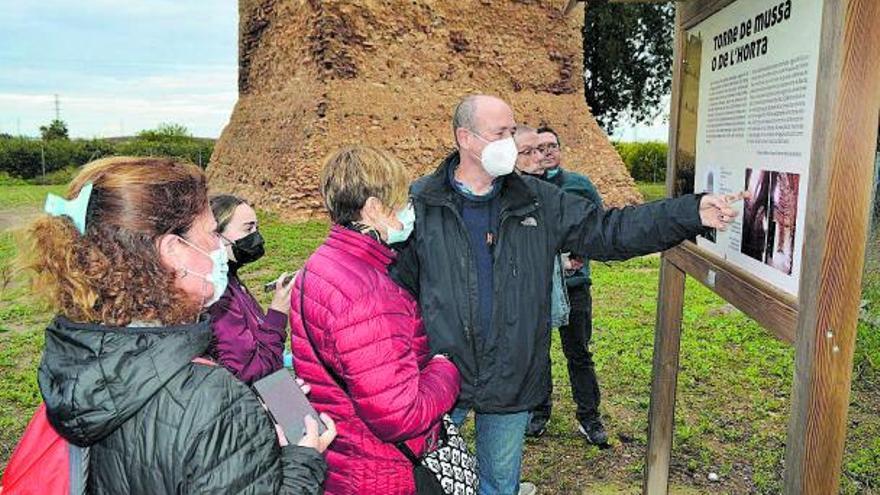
(219, 276)
(407, 217)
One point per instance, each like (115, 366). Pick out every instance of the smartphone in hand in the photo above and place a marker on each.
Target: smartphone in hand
(273, 284)
(287, 404)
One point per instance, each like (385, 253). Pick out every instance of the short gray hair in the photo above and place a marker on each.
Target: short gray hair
(465, 116)
(522, 129)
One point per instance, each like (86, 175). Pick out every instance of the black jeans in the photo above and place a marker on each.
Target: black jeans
(576, 347)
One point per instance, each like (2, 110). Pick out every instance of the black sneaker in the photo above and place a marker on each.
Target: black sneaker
(594, 431)
(536, 427)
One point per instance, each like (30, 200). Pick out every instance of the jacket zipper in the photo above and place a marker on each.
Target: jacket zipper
(505, 215)
(468, 326)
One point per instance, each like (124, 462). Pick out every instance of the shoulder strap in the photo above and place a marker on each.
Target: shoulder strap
(401, 446)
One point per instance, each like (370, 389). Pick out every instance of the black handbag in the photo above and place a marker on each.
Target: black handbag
(448, 469)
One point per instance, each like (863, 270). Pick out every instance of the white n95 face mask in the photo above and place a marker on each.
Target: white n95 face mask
(498, 157)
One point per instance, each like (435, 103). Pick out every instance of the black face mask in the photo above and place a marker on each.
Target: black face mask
(248, 249)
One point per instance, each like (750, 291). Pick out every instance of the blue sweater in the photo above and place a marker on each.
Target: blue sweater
(481, 218)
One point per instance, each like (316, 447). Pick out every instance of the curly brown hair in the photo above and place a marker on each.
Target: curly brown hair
(112, 274)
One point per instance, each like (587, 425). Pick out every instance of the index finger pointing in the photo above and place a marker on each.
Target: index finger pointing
(733, 198)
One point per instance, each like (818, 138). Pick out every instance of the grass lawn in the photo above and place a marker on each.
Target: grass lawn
(652, 190)
(26, 195)
(733, 393)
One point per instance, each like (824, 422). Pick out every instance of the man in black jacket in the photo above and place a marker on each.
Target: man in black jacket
(480, 262)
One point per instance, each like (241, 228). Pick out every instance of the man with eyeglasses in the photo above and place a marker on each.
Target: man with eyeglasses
(528, 159)
(577, 334)
(479, 262)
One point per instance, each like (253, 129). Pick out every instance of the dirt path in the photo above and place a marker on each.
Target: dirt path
(17, 217)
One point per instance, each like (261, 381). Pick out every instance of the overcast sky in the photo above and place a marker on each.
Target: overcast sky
(120, 66)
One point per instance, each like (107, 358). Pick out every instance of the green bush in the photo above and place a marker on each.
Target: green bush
(645, 161)
(20, 157)
(8, 180)
(60, 176)
(171, 140)
(197, 151)
(23, 158)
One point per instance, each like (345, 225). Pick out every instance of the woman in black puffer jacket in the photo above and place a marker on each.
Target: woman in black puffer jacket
(129, 268)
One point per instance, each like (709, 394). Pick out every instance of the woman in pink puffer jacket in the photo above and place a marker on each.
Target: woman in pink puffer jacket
(368, 331)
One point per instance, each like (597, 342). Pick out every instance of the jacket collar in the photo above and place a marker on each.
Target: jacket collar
(557, 179)
(361, 246)
(516, 197)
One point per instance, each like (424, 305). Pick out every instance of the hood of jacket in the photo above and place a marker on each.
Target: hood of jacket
(93, 378)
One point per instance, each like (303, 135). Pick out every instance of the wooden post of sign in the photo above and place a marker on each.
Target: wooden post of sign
(667, 335)
(667, 347)
(841, 172)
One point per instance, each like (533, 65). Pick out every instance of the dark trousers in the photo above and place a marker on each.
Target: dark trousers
(575, 345)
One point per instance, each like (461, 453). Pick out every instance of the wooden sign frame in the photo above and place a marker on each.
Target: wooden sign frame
(821, 321)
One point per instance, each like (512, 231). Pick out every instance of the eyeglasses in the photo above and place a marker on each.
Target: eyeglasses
(547, 148)
(527, 151)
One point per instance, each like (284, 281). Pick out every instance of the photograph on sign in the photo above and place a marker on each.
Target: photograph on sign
(754, 99)
(769, 220)
(755, 219)
(783, 220)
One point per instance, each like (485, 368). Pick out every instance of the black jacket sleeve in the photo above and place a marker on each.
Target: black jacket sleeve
(304, 470)
(618, 234)
(233, 447)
